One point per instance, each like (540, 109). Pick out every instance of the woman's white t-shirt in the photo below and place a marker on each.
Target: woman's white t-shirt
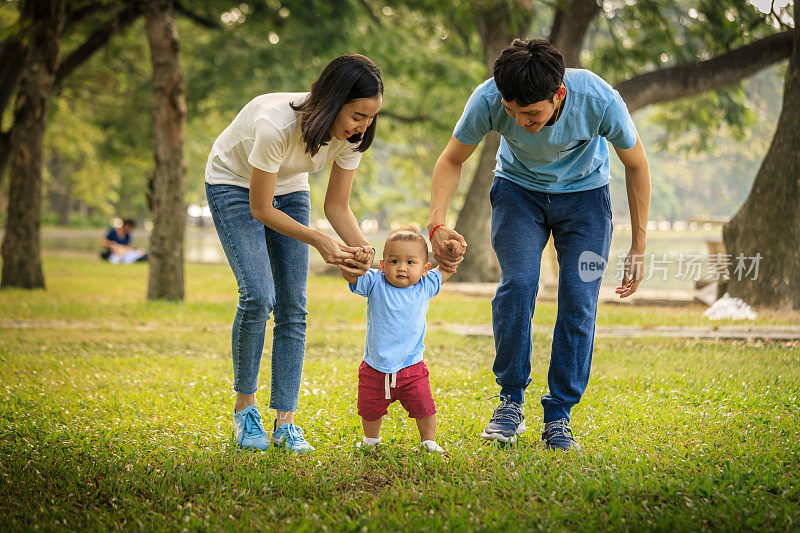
(266, 135)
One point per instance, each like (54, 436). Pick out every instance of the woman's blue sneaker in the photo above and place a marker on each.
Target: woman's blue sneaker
(248, 431)
(291, 437)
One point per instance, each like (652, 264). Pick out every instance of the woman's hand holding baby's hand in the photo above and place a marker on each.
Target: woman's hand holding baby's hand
(361, 256)
(333, 252)
(361, 262)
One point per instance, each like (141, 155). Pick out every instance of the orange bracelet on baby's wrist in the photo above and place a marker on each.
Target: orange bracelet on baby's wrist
(430, 236)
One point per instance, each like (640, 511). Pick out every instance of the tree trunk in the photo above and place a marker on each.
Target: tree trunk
(22, 263)
(474, 219)
(59, 193)
(570, 24)
(169, 116)
(12, 52)
(769, 221)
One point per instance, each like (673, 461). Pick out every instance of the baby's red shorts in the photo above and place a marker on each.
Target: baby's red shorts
(410, 386)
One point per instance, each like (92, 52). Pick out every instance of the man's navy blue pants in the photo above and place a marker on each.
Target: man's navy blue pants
(522, 221)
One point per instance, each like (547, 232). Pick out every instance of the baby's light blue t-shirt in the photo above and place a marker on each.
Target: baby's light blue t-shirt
(395, 319)
(568, 156)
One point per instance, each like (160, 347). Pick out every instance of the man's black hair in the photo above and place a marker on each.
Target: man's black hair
(529, 71)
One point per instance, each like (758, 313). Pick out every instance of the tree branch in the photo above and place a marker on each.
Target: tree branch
(96, 41)
(194, 17)
(463, 35)
(76, 15)
(689, 79)
(778, 17)
(375, 18)
(12, 56)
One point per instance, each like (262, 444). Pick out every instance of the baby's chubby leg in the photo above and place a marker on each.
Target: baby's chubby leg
(372, 428)
(427, 433)
(427, 427)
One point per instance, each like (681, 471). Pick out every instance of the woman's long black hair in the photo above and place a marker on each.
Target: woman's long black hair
(346, 78)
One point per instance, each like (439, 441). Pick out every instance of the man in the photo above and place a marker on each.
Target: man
(551, 176)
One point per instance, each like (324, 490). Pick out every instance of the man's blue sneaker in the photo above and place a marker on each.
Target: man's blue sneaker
(506, 423)
(248, 431)
(558, 436)
(290, 437)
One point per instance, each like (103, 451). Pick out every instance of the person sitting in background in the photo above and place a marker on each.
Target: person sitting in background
(117, 245)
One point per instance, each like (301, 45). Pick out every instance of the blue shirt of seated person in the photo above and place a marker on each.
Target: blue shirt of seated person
(113, 236)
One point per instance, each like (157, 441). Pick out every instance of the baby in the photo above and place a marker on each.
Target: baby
(397, 301)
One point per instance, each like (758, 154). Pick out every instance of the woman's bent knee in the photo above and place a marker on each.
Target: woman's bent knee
(256, 305)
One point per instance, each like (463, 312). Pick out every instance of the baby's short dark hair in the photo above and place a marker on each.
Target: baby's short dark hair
(408, 233)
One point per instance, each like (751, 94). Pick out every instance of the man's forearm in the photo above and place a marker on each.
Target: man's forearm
(446, 177)
(637, 183)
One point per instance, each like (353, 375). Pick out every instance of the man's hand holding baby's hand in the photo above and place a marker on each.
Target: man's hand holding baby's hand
(455, 247)
(448, 247)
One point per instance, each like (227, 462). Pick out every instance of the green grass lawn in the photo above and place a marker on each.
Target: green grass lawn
(115, 413)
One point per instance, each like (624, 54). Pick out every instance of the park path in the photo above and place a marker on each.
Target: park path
(548, 292)
(722, 332)
(726, 332)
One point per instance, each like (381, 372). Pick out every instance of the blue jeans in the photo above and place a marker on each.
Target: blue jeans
(271, 270)
(522, 221)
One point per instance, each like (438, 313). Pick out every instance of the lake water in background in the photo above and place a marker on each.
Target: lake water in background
(201, 245)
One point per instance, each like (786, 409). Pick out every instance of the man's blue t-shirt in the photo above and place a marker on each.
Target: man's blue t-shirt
(568, 156)
(395, 319)
(113, 237)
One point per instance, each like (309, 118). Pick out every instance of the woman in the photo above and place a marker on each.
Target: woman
(257, 189)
